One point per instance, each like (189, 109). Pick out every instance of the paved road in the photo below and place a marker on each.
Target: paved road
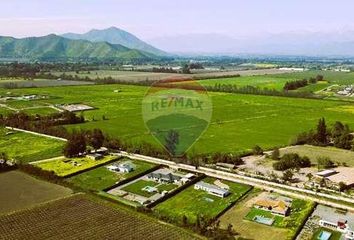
(266, 185)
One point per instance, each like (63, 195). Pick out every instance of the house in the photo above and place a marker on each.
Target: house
(340, 225)
(211, 189)
(125, 167)
(188, 177)
(94, 156)
(275, 205)
(164, 177)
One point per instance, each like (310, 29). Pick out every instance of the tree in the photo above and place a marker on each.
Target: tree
(324, 162)
(75, 145)
(96, 138)
(309, 176)
(275, 154)
(288, 175)
(257, 150)
(321, 135)
(172, 140)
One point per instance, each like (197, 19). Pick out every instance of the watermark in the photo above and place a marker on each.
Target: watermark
(176, 113)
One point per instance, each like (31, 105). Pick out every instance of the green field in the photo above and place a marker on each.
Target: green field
(193, 203)
(101, 178)
(21, 191)
(137, 187)
(313, 152)
(238, 121)
(64, 167)
(25, 147)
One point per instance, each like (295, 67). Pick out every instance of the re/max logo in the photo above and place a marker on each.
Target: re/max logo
(176, 102)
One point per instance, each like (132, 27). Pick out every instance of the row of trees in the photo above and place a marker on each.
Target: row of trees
(339, 136)
(293, 85)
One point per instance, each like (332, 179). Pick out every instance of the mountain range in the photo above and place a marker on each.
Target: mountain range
(108, 44)
(288, 43)
(115, 35)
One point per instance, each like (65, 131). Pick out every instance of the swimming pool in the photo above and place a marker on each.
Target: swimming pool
(324, 235)
(263, 220)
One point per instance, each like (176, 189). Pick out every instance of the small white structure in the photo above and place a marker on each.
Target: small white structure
(94, 156)
(341, 226)
(211, 189)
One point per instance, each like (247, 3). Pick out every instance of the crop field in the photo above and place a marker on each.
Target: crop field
(20, 191)
(27, 147)
(82, 217)
(193, 203)
(241, 121)
(18, 83)
(64, 167)
(135, 76)
(313, 152)
(101, 178)
(241, 215)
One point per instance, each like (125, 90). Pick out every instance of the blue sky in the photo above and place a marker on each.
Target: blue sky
(154, 18)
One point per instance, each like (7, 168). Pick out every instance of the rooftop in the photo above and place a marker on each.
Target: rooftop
(344, 174)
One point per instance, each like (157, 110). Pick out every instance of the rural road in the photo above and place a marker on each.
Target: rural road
(321, 198)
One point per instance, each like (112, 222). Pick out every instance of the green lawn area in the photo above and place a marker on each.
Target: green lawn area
(64, 167)
(193, 203)
(335, 235)
(313, 152)
(167, 187)
(25, 147)
(260, 212)
(137, 187)
(101, 178)
(240, 120)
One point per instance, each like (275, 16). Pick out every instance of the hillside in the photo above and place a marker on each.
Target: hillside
(115, 35)
(53, 47)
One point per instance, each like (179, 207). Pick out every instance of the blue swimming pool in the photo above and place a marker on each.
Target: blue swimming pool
(324, 235)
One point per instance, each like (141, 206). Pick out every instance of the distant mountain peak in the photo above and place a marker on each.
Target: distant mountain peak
(115, 35)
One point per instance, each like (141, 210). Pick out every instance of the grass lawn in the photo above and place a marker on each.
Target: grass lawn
(193, 203)
(167, 187)
(64, 167)
(137, 187)
(101, 178)
(335, 235)
(25, 147)
(240, 120)
(313, 152)
(20, 191)
(260, 212)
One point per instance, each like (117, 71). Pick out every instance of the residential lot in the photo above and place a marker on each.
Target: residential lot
(193, 203)
(243, 215)
(20, 191)
(152, 186)
(339, 223)
(65, 166)
(80, 217)
(27, 147)
(101, 178)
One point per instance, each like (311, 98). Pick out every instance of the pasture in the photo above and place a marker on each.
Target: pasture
(83, 217)
(25, 147)
(20, 191)
(238, 121)
(337, 155)
(63, 167)
(193, 203)
(101, 178)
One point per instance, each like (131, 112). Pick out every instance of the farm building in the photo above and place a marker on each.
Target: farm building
(75, 107)
(275, 205)
(334, 178)
(212, 189)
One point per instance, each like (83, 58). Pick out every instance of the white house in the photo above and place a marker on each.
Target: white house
(342, 226)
